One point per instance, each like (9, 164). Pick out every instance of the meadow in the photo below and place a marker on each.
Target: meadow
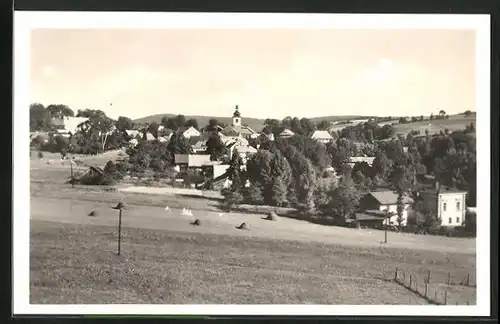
(165, 259)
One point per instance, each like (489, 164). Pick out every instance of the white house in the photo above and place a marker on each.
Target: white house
(448, 204)
(244, 151)
(386, 201)
(188, 132)
(322, 136)
(286, 133)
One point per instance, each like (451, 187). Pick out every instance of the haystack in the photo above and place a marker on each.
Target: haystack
(272, 216)
(196, 222)
(243, 226)
(92, 213)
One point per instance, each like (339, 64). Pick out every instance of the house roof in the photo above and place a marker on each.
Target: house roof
(442, 190)
(132, 132)
(367, 159)
(200, 145)
(245, 130)
(183, 129)
(287, 132)
(245, 148)
(321, 135)
(389, 197)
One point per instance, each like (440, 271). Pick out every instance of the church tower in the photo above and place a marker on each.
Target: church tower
(237, 117)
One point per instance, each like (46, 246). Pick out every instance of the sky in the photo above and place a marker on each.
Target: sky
(267, 73)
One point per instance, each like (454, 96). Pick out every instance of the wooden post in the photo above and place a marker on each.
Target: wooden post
(467, 282)
(71, 167)
(429, 276)
(396, 274)
(119, 230)
(426, 288)
(404, 278)
(445, 297)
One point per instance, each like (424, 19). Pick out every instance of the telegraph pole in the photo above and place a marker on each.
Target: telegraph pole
(120, 208)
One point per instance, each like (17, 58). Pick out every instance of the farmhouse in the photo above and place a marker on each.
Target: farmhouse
(244, 151)
(197, 161)
(448, 204)
(236, 129)
(69, 124)
(376, 201)
(188, 132)
(322, 136)
(133, 133)
(286, 133)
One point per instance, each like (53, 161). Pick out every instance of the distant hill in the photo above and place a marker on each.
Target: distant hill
(254, 123)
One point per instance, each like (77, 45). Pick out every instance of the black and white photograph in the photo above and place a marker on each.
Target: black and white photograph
(318, 163)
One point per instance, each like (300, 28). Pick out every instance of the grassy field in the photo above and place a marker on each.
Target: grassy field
(165, 259)
(75, 263)
(454, 123)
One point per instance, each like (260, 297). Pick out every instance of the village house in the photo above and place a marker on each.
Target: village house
(193, 161)
(448, 204)
(322, 136)
(244, 151)
(69, 125)
(286, 133)
(236, 128)
(378, 203)
(188, 132)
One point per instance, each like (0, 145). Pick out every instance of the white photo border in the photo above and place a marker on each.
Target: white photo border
(25, 21)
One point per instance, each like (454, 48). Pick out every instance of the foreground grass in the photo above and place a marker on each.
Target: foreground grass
(78, 264)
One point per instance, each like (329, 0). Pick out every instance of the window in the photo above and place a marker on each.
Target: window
(444, 206)
(458, 220)
(458, 205)
(449, 220)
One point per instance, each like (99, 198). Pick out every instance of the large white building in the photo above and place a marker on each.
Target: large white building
(449, 205)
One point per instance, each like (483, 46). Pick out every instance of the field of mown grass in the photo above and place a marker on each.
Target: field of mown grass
(167, 260)
(454, 123)
(75, 263)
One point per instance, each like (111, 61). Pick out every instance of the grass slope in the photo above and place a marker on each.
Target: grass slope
(73, 263)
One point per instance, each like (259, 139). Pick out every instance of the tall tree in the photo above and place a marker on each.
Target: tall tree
(344, 200)
(216, 148)
(191, 122)
(39, 118)
(124, 123)
(59, 111)
(282, 176)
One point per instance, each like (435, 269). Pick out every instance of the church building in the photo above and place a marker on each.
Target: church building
(236, 128)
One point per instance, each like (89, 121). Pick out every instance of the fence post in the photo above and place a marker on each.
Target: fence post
(445, 297)
(396, 275)
(404, 278)
(429, 276)
(410, 281)
(467, 283)
(426, 287)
